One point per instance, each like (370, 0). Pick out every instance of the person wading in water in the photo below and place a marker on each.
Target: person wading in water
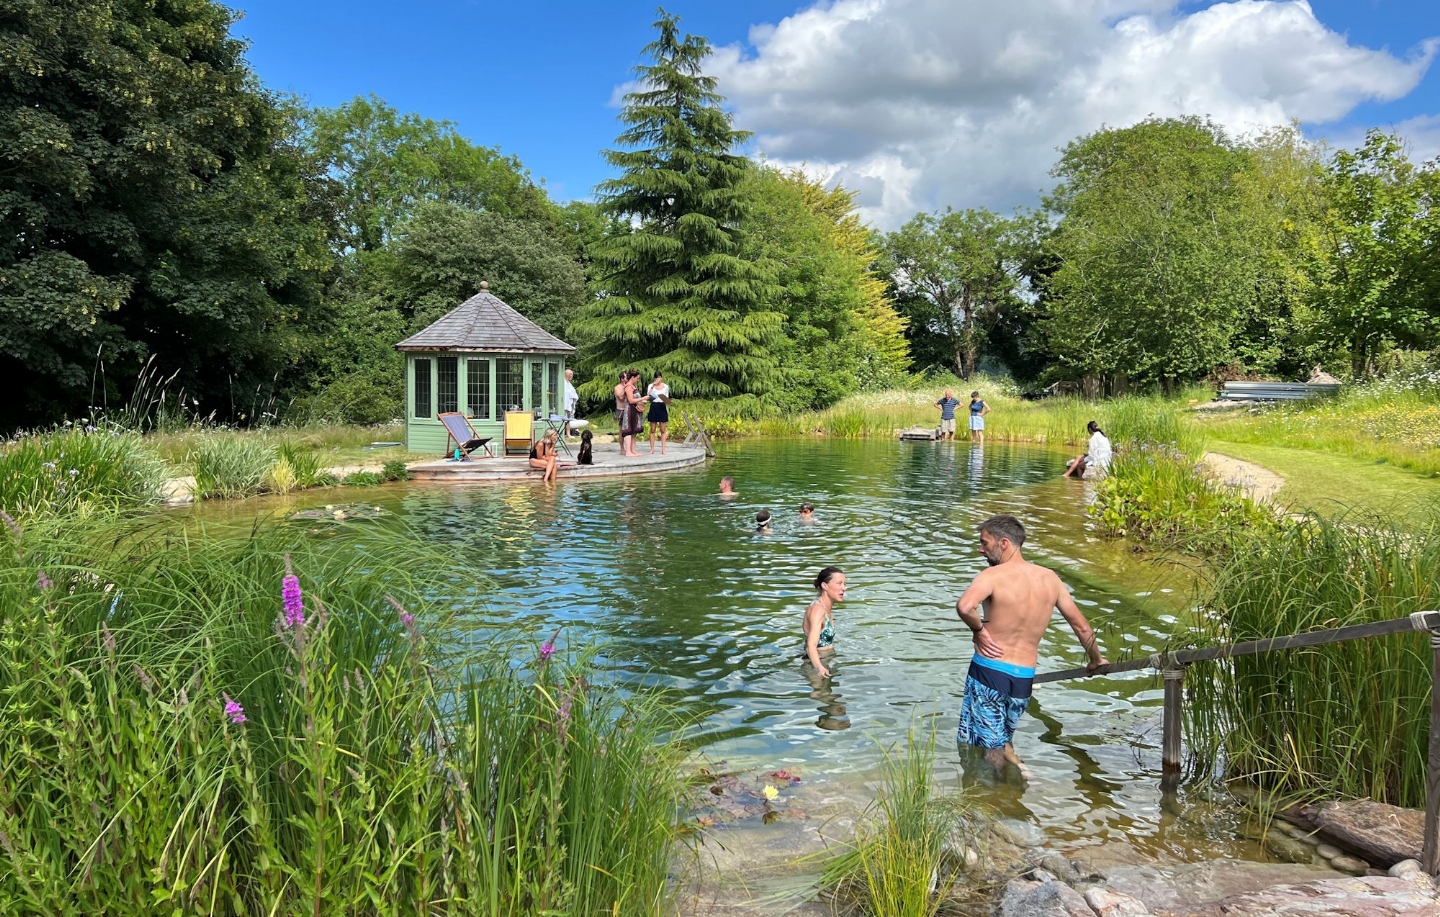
(1018, 597)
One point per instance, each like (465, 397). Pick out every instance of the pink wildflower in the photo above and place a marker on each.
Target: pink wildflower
(294, 603)
(234, 710)
(42, 581)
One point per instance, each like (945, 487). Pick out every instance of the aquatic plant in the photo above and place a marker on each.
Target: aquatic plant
(230, 465)
(1350, 719)
(75, 469)
(180, 738)
(909, 850)
(1160, 495)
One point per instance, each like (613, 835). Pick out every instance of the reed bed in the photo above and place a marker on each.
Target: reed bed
(267, 725)
(77, 470)
(1345, 720)
(910, 850)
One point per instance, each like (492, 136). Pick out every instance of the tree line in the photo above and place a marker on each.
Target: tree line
(167, 209)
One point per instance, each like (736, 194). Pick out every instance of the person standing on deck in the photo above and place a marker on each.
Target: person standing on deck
(572, 399)
(947, 405)
(978, 410)
(1018, 598)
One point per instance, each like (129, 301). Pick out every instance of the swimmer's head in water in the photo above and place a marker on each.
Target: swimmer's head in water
(762, 519)
(727, 485)
(806, 509)
(831, 581)
(995, 532)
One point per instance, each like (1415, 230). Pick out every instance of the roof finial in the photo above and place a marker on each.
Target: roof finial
(484, 286)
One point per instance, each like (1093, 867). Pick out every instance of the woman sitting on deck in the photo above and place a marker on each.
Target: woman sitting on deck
(544, 457)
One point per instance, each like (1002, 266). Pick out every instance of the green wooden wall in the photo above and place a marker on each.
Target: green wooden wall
(483, 386)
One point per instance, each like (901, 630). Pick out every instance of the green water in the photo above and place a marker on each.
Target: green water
(681, 592)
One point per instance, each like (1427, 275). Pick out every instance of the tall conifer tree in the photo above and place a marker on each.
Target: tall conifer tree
(676, 293)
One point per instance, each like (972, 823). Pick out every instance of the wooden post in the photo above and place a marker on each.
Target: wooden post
(1170, 730)
(1430, 854)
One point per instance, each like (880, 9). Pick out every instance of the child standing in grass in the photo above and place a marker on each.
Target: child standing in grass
(978, 410)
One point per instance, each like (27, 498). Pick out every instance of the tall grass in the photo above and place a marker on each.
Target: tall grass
(231, 466)
(1350, 719)
(72, 470)
(896, 866)
(181, 739)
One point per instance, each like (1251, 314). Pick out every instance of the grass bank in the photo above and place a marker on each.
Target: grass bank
(191, 729)
(1347, 720)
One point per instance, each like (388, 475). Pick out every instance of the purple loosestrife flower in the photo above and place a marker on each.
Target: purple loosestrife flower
(42, 581)
(294, 603)
(547, 649)
(234, 710)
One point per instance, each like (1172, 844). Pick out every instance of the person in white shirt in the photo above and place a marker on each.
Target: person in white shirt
(572, 398)
(659, 395)
(1096, 462)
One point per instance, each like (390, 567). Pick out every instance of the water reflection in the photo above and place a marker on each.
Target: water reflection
(833, 716)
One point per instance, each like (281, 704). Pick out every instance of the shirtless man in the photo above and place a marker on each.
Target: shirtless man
(1019, 597)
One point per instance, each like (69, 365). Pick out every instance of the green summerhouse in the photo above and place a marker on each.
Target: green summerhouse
(483, 358)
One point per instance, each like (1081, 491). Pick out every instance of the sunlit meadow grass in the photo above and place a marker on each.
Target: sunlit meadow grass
(183, 736)
(1380, 423)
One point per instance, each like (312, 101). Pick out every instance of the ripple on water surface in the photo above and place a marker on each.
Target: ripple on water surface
(685, 594)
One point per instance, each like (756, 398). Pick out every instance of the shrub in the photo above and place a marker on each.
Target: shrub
(395, 470)
(191, 731)
(363, 479)
(232, 465)
(1160, 495)
(358, 399)
(77, 470)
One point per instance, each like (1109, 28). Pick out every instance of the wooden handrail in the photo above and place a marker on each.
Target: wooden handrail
(1172, 669)
(1420, 621)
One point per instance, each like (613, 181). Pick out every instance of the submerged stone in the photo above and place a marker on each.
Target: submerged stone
(1382, 834)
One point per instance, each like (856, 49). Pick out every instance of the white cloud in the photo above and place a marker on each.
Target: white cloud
(920, 104)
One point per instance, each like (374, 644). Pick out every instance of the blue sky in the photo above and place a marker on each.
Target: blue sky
(538, 79)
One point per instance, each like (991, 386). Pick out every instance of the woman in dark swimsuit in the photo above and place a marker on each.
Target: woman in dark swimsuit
(544, 458)
(818, 629)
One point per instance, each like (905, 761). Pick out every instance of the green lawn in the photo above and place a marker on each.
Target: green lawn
(1330, 483)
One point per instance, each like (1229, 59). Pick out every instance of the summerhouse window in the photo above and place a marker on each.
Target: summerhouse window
(509, 384)
(447, 384)
(422, 388)
(537, 383)
(477, 388)
(552, 376)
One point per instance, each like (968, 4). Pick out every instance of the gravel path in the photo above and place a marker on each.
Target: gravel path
(1259, 484)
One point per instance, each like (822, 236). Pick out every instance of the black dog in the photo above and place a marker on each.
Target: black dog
(586, 458)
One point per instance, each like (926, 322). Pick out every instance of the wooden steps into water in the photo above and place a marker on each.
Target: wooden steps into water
(919, 435)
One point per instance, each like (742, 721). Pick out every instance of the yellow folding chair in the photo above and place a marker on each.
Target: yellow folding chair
(519, 431)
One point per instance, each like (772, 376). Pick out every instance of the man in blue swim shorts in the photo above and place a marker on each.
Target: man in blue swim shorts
(1018, 599)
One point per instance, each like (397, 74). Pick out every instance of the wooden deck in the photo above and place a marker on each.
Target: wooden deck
(608, 464)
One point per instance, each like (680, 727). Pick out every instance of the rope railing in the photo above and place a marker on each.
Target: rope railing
(1171, 666)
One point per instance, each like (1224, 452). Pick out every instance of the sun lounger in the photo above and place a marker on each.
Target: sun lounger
(463, 434)
(519, 432)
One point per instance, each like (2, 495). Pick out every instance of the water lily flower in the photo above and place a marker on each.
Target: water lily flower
(770, 792)
(234, 710)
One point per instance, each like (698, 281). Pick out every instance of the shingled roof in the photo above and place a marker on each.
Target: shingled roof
(484, 323)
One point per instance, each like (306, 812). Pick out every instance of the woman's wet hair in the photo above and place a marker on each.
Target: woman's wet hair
(1093, 427)
(826, 576)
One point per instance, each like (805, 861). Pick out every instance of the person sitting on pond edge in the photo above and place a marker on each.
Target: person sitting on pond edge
(1095, 463)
